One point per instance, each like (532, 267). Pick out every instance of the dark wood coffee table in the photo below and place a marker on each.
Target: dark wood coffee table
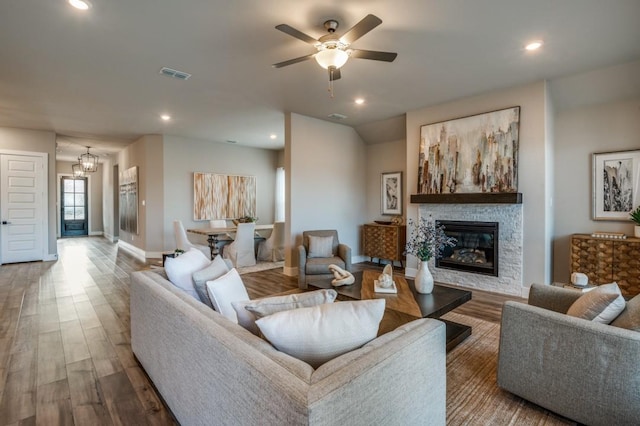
(408, 304)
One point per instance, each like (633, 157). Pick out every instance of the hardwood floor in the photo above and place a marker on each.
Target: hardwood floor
(65, 355)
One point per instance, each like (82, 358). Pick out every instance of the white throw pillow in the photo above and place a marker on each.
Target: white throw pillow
(180, 270)
(217, 268)
(320, 333)
(249, 311)
(320, 246)
(603, 304)
(225, 290)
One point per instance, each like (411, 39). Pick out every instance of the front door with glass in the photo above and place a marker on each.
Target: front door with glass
(74, 207)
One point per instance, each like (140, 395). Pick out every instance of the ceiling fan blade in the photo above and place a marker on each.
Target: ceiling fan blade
(293, 61)
(297, 34)
(367, 23)
(335, 75)
(374, 54)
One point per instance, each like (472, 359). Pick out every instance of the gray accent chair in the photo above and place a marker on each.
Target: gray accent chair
(582, 370)
(317, 268)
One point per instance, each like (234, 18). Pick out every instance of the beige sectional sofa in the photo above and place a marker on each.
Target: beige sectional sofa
(211, 371)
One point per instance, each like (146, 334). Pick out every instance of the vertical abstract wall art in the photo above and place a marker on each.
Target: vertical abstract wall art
(129, 200)
(217, 196)
(472, 154)
(616, 184)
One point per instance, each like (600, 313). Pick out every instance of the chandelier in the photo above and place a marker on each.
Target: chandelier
(88, 162)
(77, 170)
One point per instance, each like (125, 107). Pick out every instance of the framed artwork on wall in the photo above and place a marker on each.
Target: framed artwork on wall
(474, 154)
(616, 184)
(129, 200)
(391, 193)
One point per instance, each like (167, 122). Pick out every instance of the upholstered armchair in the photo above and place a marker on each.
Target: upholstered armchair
(318, 250)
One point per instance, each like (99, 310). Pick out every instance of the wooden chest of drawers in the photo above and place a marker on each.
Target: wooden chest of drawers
(385, 241)
(605, 261)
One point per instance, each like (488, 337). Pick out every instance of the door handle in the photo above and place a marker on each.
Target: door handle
(4, 222)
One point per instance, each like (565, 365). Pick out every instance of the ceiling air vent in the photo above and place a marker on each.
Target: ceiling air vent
(175, 73)
(336, 116)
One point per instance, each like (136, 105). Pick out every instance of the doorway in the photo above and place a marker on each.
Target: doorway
(73, 213)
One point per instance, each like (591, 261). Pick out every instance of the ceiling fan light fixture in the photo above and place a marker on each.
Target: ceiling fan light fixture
(331, 57)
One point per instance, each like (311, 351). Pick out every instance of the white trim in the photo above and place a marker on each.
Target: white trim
(95, 233)
(111, 238)
(136, 251)
(290, 271)
(45, 195)
(525, 292)
(411, 272)
(51, 257)
(359, 259)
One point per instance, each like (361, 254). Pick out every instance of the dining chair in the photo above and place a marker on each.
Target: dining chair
(272, 249)
(183, 243)
(242, 250)
(220, 223)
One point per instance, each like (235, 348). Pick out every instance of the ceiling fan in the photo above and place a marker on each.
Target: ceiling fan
(333, 51)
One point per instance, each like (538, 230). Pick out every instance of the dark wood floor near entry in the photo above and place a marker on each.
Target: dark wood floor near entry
(65, 355)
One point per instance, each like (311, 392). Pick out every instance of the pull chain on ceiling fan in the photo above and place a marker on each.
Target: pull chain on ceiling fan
(333, 51)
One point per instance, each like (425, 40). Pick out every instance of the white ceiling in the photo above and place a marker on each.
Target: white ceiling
(95, 75)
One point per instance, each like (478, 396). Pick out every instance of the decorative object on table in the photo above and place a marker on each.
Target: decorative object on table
(579, 279)
(383, 222)
(384, 283)
(635, 217)
(342, 277)
(616, 187)
(391, 193)
(217, 196)
(129, 200)
(609, 235)
(475, 154)
(425, 242)
(398, 220)
(245, 219)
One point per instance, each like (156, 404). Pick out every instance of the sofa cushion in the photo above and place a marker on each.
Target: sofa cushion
(320, 265)
(602, 304)
(320, 333)
(180, 270)
(630, 317)
(249, 311)
(217, 268)
(225, 290)
(320, 246)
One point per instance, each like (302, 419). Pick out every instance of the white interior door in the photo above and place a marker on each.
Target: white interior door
(22, 208)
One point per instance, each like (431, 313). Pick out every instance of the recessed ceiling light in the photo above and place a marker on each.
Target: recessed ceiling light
(273, 136)
(534, 45)
(165, 117)
(80, 4)
(359, 101)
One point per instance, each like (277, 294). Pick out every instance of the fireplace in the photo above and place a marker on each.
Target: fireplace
(476, 250)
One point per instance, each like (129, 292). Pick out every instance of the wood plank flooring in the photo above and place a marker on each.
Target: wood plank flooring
(65, 355)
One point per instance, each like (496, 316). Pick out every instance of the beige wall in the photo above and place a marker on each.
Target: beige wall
(533, 175)
(94, 193)
(37, 141)
(183, 157)
(326, 187)
(382, 158)
(612, 126)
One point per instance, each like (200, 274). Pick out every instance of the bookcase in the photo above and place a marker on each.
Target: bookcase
(604, 261)
(385, 241)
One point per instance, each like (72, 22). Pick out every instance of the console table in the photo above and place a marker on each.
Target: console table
(604, 261)
(385, 241)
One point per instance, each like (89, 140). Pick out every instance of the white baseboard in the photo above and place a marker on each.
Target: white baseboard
(525, 292)
(358, 259)
(111, 238)
(136, 251)
(96, 233)
(290, 271)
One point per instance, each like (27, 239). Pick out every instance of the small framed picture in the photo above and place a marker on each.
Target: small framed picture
(391, 193)
(616, 184)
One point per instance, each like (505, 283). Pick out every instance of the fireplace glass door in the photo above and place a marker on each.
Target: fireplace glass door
(476, 249)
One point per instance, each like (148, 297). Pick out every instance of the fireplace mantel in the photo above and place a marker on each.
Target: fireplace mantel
(476, 198)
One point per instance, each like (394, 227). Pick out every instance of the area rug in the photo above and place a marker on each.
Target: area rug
(260, 266)
(473, 396)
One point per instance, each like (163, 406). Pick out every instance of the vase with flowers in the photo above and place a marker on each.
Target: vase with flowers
(635, 217)
(425, 242)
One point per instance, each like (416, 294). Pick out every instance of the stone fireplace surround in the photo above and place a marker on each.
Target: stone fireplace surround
(510, 219)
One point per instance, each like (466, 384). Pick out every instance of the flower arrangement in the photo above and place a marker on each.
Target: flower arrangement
(635, 216)
(427, 240)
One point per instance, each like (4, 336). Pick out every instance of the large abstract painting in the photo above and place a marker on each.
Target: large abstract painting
(472, 154)
(129, 200)
(217, 196)
(616, 184)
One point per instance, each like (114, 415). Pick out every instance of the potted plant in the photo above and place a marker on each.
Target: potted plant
(635, 217)
(245, 219)
(425, 242)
